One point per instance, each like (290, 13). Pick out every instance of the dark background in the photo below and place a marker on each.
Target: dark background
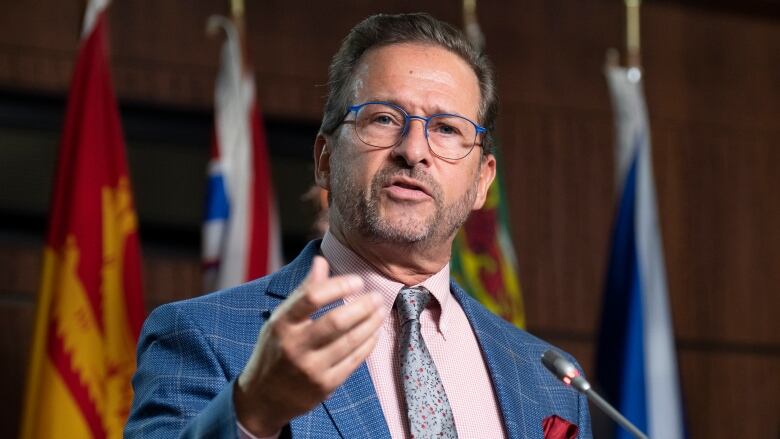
(711, 77)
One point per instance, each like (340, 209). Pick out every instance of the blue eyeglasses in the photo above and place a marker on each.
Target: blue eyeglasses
(383, 125)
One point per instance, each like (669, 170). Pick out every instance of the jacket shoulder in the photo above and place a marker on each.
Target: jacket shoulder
(494, 326)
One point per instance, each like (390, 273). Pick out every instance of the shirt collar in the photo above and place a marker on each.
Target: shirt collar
(343, 260)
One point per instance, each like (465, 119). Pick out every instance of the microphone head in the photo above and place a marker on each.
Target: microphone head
(564, 370)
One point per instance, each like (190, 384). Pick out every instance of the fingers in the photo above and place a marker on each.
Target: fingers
(348, 343)
(340, 339)
(318, 290)
(342, 320)
(340, 371)
(299, 361)
(319, 270)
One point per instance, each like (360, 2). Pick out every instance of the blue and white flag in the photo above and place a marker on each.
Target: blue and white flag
(637, 364)
(241, 236)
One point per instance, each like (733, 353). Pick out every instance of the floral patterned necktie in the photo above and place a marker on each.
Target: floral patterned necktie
(427, 406)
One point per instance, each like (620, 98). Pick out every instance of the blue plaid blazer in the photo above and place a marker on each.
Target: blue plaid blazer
(191, 352)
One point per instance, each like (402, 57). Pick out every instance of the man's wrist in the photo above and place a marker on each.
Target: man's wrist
(248, 414)
(244, 433)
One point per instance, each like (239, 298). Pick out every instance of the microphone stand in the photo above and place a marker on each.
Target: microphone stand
(613, 413)
(565, 371)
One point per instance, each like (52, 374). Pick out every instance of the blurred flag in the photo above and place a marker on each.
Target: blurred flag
(637, 365)
(241, 237)
(483, 259)
(90, 308)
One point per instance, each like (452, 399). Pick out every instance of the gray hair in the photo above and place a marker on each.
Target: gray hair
(384, 30)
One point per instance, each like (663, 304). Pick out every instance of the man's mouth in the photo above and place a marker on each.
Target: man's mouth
(408, 188)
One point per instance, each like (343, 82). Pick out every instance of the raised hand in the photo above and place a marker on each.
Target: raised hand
(297, 361)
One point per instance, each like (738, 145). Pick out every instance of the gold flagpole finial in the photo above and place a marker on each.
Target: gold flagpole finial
(471, 25)
(469, 8)
(237, 12)
(633, 54)
(237, 9)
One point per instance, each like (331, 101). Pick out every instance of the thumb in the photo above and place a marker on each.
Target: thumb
(300, 304)
(320, 270)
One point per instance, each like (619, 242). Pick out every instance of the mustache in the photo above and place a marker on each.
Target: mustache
(393, 169)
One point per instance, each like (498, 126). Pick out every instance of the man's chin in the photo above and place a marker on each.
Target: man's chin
(396, 211)
(400, 231)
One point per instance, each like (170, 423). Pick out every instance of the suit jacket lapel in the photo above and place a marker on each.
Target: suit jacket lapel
(354, 406)
(511, 369)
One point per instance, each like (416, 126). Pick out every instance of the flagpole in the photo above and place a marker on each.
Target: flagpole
(237, 8)
(488, 271)
(633, 54)
(237, 13)
(471, 25)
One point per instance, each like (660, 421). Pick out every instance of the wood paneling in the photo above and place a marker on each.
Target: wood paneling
(170, 277)
(20, 268)
(731, 395)
(720, 230)
(557, 166)
(714, 101)
(15, 336)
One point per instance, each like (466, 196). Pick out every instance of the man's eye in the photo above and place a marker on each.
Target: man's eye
(383, 119)
(445, 129)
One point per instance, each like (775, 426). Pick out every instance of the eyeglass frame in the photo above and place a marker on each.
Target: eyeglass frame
(407, 122)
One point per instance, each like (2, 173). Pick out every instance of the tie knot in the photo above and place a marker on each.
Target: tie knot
(410, 302)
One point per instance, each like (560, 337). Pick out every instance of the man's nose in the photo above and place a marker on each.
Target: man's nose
(413, 147)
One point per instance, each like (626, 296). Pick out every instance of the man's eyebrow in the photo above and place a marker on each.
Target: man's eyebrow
(385, 99)
(436, 109)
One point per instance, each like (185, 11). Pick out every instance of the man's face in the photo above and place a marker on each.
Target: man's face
(405, 194)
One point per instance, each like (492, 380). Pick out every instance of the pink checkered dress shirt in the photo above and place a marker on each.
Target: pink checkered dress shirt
(449, 338)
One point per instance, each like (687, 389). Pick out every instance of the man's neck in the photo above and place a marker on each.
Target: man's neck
(410, 264)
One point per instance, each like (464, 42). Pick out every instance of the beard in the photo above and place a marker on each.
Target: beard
(360, 208)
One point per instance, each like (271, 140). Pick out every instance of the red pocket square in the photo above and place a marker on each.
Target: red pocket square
(555, 427)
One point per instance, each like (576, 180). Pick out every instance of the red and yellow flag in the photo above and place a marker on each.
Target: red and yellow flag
(90, 309)
(483, 258)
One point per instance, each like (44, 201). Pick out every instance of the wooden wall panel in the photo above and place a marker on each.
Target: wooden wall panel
(557, 166)
(731, 395)
(714, 191)
(20, 268)
(169, 277)
(710, 66)
(15, 336)
(37, 43)
(713, 97)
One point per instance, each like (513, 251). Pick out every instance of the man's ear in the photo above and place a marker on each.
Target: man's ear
(322, 149)
(487, 173)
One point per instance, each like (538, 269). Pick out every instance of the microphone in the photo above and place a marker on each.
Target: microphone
(565, 371)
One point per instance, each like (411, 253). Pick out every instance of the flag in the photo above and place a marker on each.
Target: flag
(483, 258)
(241, 237)
(636, 362)
(90, 309)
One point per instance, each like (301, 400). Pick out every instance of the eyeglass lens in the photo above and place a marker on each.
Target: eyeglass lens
(382, 126)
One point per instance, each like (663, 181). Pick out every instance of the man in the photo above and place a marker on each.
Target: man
(363, 334)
